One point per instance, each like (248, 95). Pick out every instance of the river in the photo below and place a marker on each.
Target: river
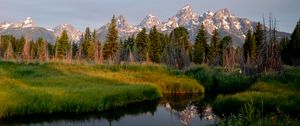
(179, 110)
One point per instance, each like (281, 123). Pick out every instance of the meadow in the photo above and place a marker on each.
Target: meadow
(32, 88)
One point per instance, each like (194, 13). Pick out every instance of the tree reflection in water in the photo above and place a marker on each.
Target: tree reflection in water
(190, 111)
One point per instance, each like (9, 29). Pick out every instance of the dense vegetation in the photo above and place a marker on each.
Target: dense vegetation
(51, 88)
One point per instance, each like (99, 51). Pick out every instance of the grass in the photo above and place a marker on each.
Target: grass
(78, 88)
(272, 91)
(268, 93)
(217, 81)
(249, 115)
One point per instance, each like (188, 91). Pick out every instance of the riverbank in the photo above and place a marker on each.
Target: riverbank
(272, 96)
(78, 88)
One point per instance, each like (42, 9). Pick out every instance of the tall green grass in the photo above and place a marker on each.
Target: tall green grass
(53, 88)
(250, 115)
(274, 90)
(216, 80)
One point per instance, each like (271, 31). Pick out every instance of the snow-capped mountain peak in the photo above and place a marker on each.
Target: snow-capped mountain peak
(5, 25)
(28, 23)
(72, 32)
(186, 16)
(149, 21)
(187, 8)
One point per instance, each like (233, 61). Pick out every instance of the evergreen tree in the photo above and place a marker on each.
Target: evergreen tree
(63, 45)
(18, 46)
(214, 48)
(250, 48)
(259, 37)
(284, 50)
(225, 50)
(200, 45)
(178, 48)
(295, 45)
(112, 46)
(51, 49)
(42, 49)
(96, 47)
(75, 49)
(91, 50)
(155, 41)
(142, 42)
(86, 42)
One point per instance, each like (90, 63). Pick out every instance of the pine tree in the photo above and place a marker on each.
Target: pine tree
(295, 45)
(96, 47)
(91, 50)
(112, 45)
(80, 49)
(284, 50)
(226, 51)
(63, 45)
(86, 42)
(259, 36)
(253, 50)
(200, 45)
(18, 47)
(214, 48)
(142, 42)
(177, 51)
(75, 49)
(155, 42)
(250, 49)
(41, 52)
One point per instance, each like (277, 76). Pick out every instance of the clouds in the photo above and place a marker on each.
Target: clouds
(95, 13)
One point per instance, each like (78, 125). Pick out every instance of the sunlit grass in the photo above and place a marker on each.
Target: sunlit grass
(51, 88)
(266, 96)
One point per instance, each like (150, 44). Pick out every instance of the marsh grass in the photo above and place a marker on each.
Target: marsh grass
(249, 115)
(216, 80)
(78, 88)
(274, 90)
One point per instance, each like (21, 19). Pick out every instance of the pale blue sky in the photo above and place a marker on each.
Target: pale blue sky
(95, 13)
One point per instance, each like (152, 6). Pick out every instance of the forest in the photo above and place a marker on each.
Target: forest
(262, 51)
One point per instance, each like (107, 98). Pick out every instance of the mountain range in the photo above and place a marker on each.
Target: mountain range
(222, 20)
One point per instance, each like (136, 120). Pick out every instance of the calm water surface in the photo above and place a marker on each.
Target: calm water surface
(188, 110)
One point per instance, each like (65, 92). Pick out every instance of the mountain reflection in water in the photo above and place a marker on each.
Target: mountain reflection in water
(171, 110)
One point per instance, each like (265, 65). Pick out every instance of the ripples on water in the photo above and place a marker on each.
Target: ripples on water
(188, 110)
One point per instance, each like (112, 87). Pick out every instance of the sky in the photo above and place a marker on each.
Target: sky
(95, 13)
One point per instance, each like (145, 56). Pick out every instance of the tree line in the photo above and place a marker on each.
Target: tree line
(260, 52)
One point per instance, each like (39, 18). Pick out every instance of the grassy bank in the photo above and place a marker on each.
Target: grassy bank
(271, 92)
(51, 88)
(217, 81)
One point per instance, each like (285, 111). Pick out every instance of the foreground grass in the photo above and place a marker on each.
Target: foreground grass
(274, 94)
(268, 93)
(76, 88)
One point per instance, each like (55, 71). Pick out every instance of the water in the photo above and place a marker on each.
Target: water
(188, 110)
